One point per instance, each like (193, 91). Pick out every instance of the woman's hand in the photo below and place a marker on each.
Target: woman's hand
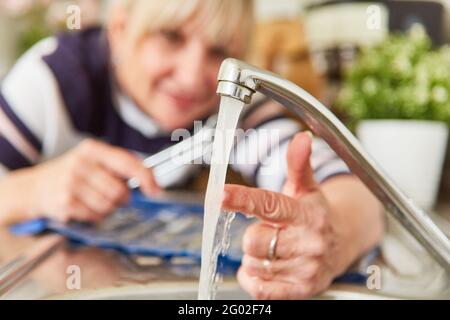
(87, 183)
(314, 245)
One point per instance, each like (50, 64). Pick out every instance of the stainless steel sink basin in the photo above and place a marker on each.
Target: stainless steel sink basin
(155, 291)
(188, 291)
(406, 272)
(227, 291)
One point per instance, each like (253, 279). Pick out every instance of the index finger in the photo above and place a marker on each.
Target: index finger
(269, 206)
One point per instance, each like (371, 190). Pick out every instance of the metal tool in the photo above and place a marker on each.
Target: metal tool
(181, 153)
(12, 272)
(240, 81)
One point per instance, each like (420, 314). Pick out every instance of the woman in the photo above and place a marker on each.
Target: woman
(77, 109)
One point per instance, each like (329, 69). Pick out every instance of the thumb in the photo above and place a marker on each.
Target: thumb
(300, 177)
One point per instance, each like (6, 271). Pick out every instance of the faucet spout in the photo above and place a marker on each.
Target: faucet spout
(239, 80)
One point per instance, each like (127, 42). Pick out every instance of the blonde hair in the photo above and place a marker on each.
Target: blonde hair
(225, 22)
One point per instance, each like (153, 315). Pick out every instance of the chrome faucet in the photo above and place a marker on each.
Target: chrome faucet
(239, 80)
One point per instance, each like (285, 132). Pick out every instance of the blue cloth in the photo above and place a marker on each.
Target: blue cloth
(141, 228)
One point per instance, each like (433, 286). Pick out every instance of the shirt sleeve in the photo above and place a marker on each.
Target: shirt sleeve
(33, 119)
(260, 154)
(19, 145)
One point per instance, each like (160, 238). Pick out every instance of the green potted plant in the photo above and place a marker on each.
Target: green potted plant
(396, 97)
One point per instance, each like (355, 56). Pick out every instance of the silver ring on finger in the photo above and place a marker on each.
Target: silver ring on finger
(272, 254)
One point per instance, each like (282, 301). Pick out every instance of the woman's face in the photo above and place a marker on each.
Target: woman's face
(171, 75)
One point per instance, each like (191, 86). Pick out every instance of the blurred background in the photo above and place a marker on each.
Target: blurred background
(382, 66)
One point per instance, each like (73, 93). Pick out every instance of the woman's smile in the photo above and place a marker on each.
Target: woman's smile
(182, 102)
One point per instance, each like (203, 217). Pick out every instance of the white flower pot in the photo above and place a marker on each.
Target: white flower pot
(411, 153)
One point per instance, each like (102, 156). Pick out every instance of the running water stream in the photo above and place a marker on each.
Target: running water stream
(216, 226)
